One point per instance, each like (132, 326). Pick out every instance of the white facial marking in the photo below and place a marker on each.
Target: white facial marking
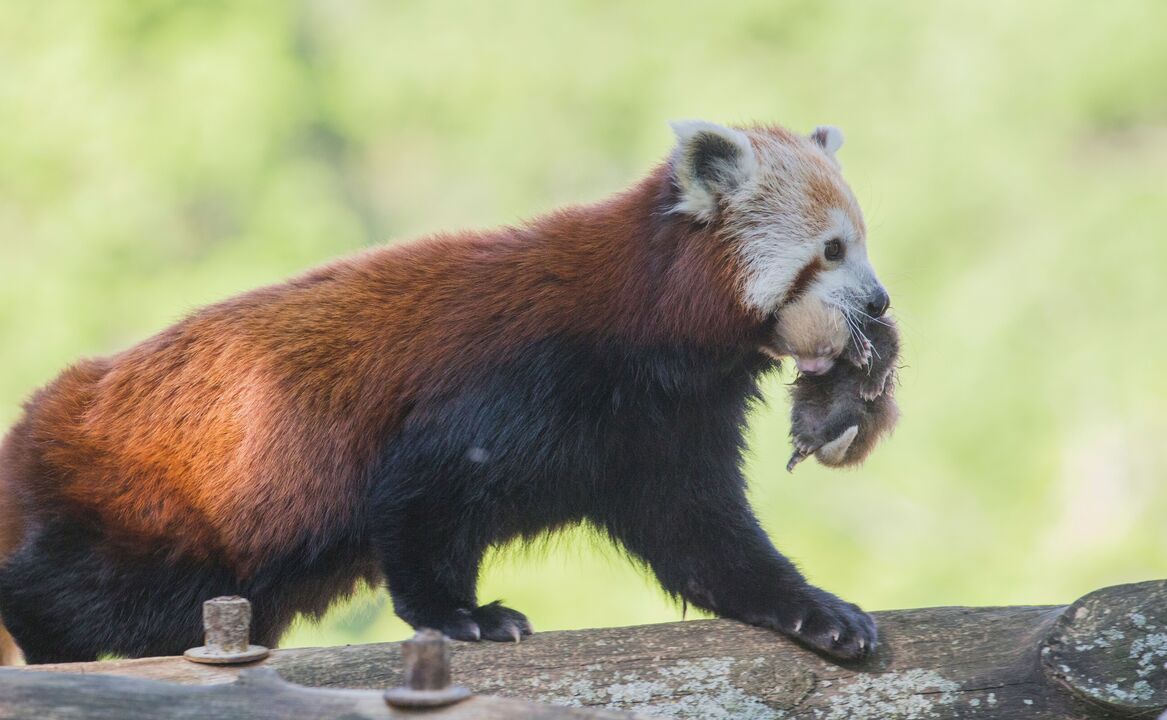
(836, 283)
(841, 225)
(773, 256)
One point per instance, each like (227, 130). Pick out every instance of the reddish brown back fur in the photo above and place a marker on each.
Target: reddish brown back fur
(238, 428)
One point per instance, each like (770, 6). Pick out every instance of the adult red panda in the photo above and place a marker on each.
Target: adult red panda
(389, 416)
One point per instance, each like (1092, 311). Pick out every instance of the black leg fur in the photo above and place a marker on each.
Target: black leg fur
(719, 559)
(68, 596)
(431, 567)
(644, 444)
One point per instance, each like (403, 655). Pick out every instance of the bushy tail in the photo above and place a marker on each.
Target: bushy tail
(10, 532)
(9, 651)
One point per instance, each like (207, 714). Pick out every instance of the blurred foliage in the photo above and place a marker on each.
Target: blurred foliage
(158, 155)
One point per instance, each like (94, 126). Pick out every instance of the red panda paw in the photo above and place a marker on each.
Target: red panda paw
(828, 624)
(501, 624)
(877, 382)
(859, 352)
(458, 625)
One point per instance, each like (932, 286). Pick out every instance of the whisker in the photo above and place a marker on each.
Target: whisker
(853, 327)
(881, 320)
(856, 327)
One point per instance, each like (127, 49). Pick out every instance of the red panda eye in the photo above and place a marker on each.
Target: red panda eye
(834, 249)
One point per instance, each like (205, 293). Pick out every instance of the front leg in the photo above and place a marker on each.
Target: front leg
(713, 553)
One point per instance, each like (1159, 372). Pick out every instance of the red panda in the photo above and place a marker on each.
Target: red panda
(389, 416)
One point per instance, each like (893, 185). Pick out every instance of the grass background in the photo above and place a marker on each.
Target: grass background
(158, 155)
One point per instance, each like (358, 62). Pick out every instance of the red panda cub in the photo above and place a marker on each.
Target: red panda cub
(388, 417)
(813, 333)
(839, 410)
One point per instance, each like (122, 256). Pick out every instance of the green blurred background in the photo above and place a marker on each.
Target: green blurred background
(1012, 159)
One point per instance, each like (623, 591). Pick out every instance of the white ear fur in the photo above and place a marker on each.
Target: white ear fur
(828, 137)
(710, 160)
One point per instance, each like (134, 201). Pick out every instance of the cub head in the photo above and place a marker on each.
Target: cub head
(780, 201)
(812, 332)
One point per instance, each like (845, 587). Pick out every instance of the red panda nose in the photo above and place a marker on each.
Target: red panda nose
(878, 303)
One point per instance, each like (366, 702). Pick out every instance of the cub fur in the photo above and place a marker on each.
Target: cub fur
(839, 415)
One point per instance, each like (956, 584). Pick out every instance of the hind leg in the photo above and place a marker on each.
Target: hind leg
(40, 644)
(43, 617)
(66, 597)
(431, 566)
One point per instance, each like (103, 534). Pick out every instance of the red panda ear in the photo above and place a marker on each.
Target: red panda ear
(828, 137)
(710, 161)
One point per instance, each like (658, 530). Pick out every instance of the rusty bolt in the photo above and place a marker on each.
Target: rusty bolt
(427, 673)
(227, 628)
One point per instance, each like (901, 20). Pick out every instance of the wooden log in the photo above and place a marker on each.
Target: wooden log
(258, 694)
(1111, 647)
(1101, 658)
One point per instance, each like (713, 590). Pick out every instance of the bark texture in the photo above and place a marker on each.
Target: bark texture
(1102, 657)
(255, 695)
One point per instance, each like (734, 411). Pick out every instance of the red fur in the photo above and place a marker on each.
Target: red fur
(236, 432)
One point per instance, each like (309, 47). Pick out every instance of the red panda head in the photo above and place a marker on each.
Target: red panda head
(780, 201)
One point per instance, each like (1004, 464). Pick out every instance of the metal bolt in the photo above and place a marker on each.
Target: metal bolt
(427, 673)
(227, 628)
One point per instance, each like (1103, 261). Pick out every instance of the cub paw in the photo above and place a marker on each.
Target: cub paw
(501, 624)
(831, 449)
(859, 352)
(877, 382)
(803, 448)
(828, 624)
